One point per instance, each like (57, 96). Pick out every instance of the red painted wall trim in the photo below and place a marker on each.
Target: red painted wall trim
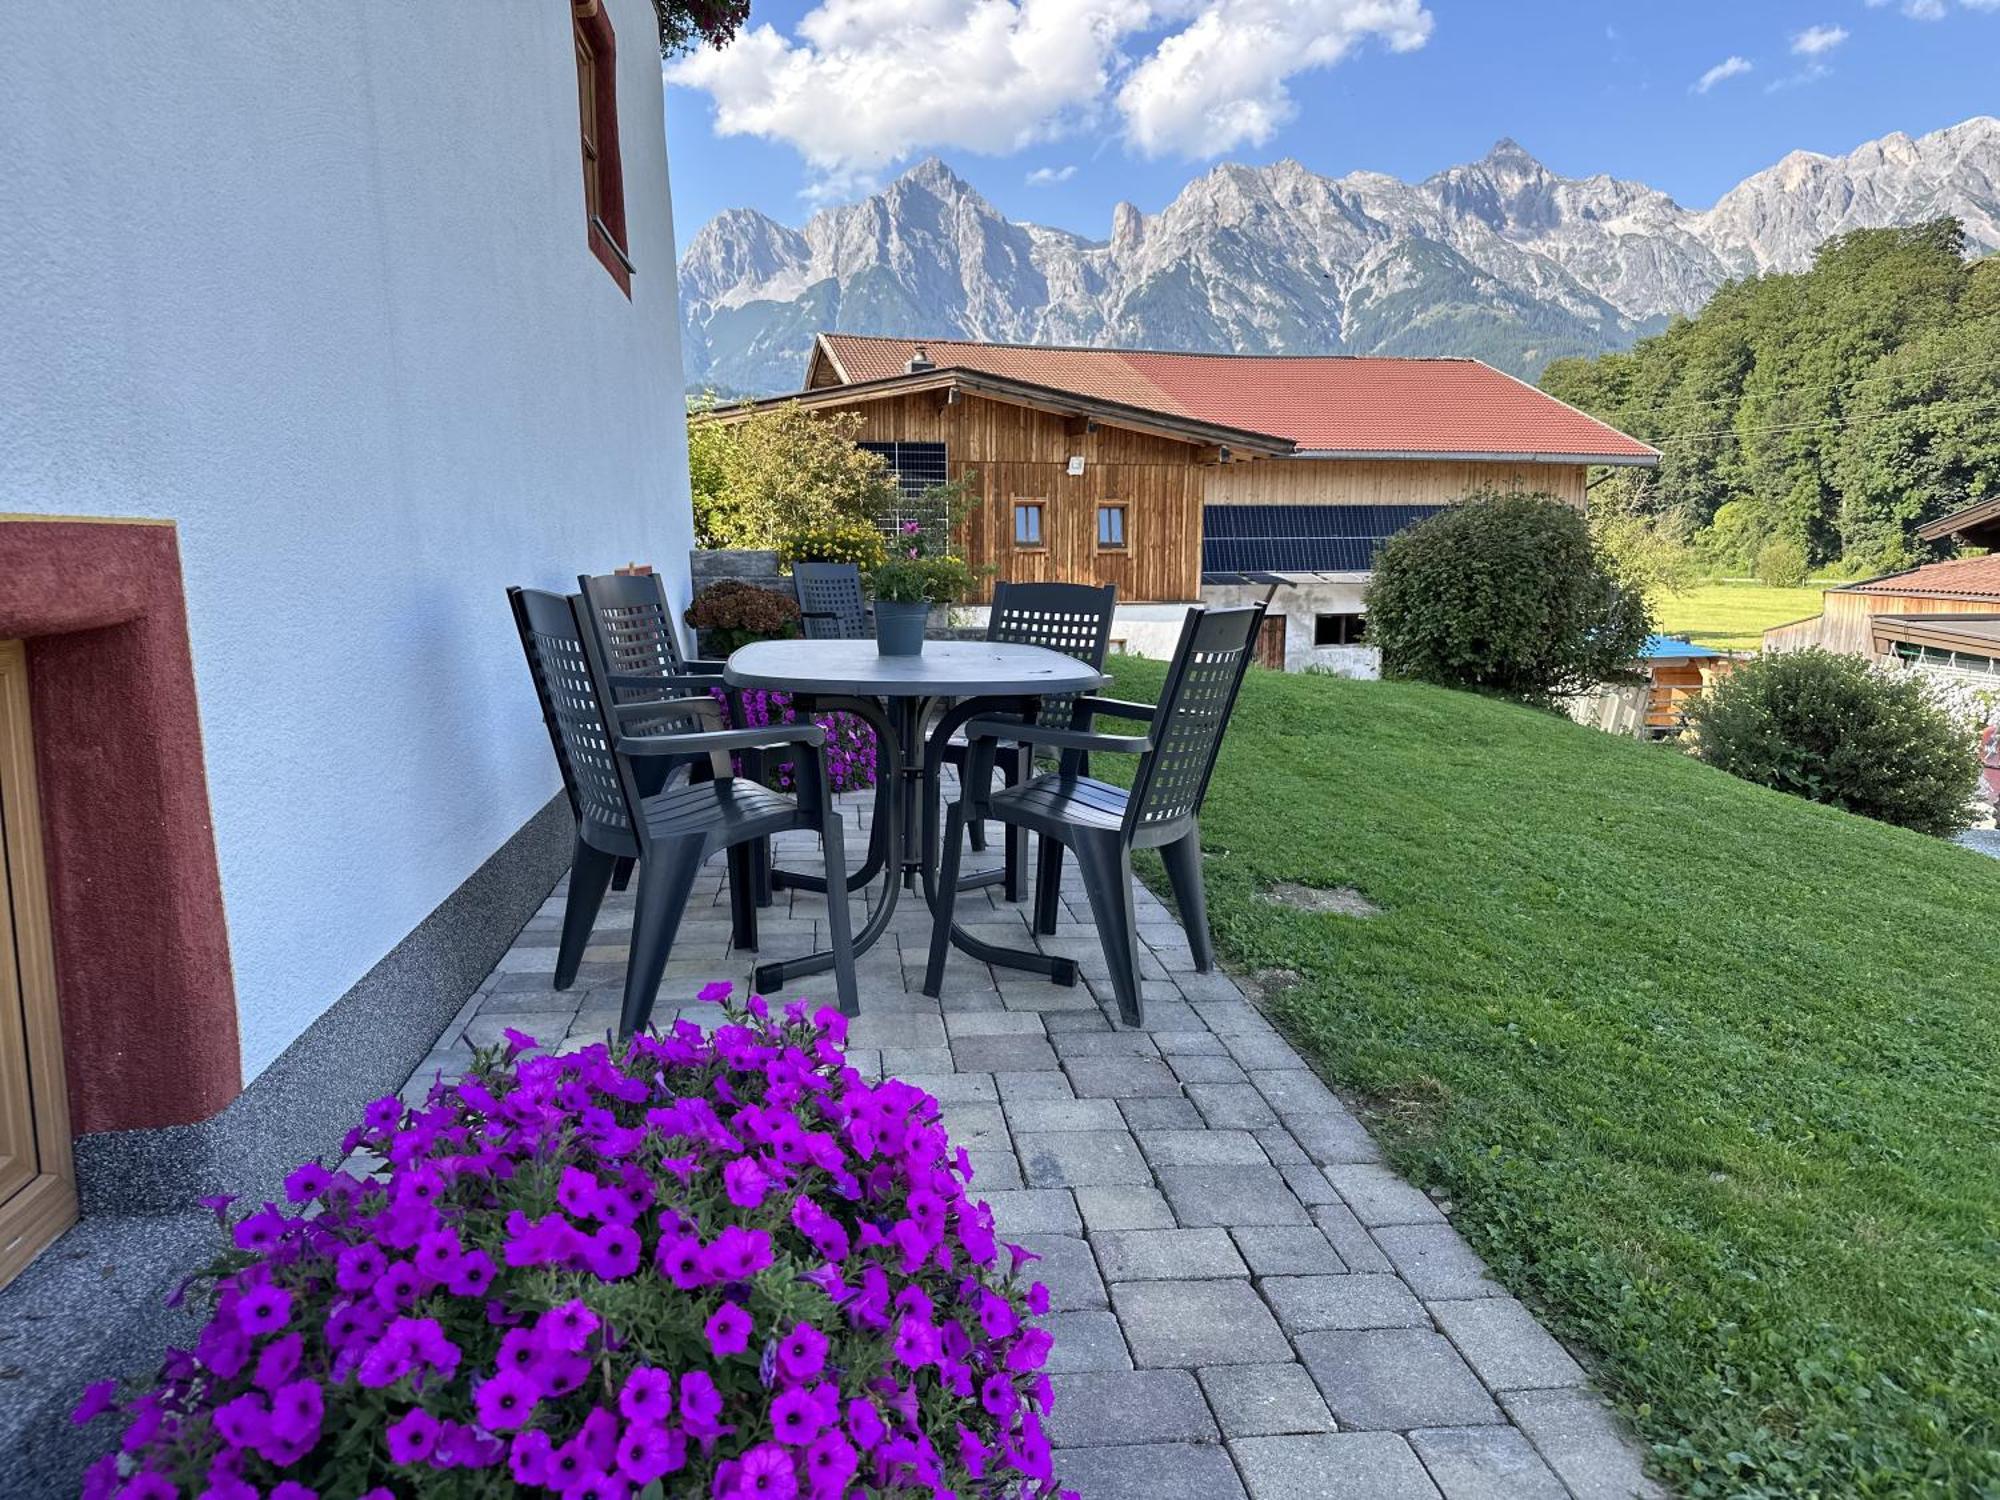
(595, 26)
(142, 948)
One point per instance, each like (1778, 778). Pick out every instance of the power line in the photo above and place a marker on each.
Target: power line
(1884, 416)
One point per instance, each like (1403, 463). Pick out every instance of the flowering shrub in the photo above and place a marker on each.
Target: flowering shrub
(734, 613)
(712, 1265)
(840, 540)
(850, 743)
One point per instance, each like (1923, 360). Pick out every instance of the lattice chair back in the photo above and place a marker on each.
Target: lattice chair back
(1073, 618)
(1195, 703)
(830, 601)
(635, 626)
(552, 635)
(635, 634)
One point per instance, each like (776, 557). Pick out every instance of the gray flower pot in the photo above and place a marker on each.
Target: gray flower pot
(899, 628)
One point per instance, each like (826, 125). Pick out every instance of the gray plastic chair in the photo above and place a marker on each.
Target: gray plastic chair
(831, 605)
(1102, 824)
(671, 832)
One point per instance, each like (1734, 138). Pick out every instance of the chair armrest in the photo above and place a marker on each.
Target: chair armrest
(1115, 708)
(645, 682)
(776, 737)
(704, 667)
(1013, 727)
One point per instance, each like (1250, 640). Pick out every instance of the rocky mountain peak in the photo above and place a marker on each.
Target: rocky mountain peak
(1501, 258)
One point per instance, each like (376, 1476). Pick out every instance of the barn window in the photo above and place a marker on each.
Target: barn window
(1339, 630)
(1111, 527)
(597, 117)
(1028, 523)
(916, 468)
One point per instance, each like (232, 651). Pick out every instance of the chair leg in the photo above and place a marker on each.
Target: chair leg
(947, 898)
(621, 874)
(839, 921)
(1048, 884)
(760, 864)
(1106, 865)
(743, 897)
(590, 871)
(1016, 837)
(666, 879)
(1183, 862)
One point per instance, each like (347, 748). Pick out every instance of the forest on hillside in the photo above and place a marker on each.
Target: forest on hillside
(1830, 412)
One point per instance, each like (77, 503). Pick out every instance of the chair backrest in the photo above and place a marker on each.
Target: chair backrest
(634, 634)
(830, 601)
(634, 625)
(1195, 703)
(552, 635)
(1073, 618)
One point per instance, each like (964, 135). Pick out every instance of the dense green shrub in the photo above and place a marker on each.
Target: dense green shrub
(840, 540)
(1833, 729)
(1505, 594)
(733, 614)
(1781, 564)
(779, 471)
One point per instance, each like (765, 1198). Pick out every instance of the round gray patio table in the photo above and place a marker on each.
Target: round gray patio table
(894, 695)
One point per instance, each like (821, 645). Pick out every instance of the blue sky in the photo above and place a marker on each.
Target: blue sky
(1111, 99)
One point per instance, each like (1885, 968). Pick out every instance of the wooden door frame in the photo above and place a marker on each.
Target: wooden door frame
(33, 1217)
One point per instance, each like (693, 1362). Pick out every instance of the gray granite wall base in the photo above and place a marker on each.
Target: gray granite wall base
(363, 1047)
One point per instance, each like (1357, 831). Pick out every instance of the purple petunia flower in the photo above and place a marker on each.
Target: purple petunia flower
(728, 1330)
(715, 992)
(412, 1437)
(646, 1453)
(97, 1397)
(264, 1310)
(505, 1401)
(307, 1182)
(766, 1473)
(648, 1395)
(298, 1407)
(802, 1353)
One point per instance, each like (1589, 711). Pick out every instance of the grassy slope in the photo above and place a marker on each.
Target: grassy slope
(1733, 616)
(1709, 1072)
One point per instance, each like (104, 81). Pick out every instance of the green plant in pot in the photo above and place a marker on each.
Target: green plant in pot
(919, 573)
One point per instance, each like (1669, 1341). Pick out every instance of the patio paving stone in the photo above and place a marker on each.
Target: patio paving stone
(1197, 1323)
(1333, 1466)
(1265, 1400)
(1395, 1379)
(1244, 1298)
(1135, 1406)
(1505, 1346)
(1159, 1471)
(1167, 1255)
(1485, 1463)
(1081, 1158)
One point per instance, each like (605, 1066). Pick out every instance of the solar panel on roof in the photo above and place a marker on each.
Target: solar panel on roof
(1301, 538)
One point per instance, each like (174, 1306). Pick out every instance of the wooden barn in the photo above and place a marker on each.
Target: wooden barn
(1851, 615)
(1184, 477)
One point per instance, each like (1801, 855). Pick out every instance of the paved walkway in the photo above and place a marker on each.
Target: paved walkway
(1246, 1300)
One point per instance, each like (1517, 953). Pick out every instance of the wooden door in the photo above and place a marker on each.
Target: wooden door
(37, 1189)
(1271, 643)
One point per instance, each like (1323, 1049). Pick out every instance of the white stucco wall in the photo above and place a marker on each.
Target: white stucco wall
(312, 281)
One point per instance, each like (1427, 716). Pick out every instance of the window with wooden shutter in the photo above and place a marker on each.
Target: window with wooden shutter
(597, 116)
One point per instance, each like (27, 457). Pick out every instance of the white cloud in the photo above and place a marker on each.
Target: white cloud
(1220, 82)
(1933, 10)
(1729, 67)
(1815, 41)
(862, 84)
(1048, 176)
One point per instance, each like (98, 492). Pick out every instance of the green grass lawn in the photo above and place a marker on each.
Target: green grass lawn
(1733, 616)
(1711, 1075)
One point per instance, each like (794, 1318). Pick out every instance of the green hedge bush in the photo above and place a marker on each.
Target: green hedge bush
(1833, 729)
(1505, 594)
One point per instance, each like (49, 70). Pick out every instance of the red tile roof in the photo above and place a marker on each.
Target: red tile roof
(1961, 577)
(1326, 404)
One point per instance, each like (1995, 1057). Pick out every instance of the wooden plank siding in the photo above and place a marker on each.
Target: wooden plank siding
(1018, 453)
(1845, 626)
(1341, 481)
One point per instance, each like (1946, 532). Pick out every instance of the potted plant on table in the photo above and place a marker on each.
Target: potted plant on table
(920, 572)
